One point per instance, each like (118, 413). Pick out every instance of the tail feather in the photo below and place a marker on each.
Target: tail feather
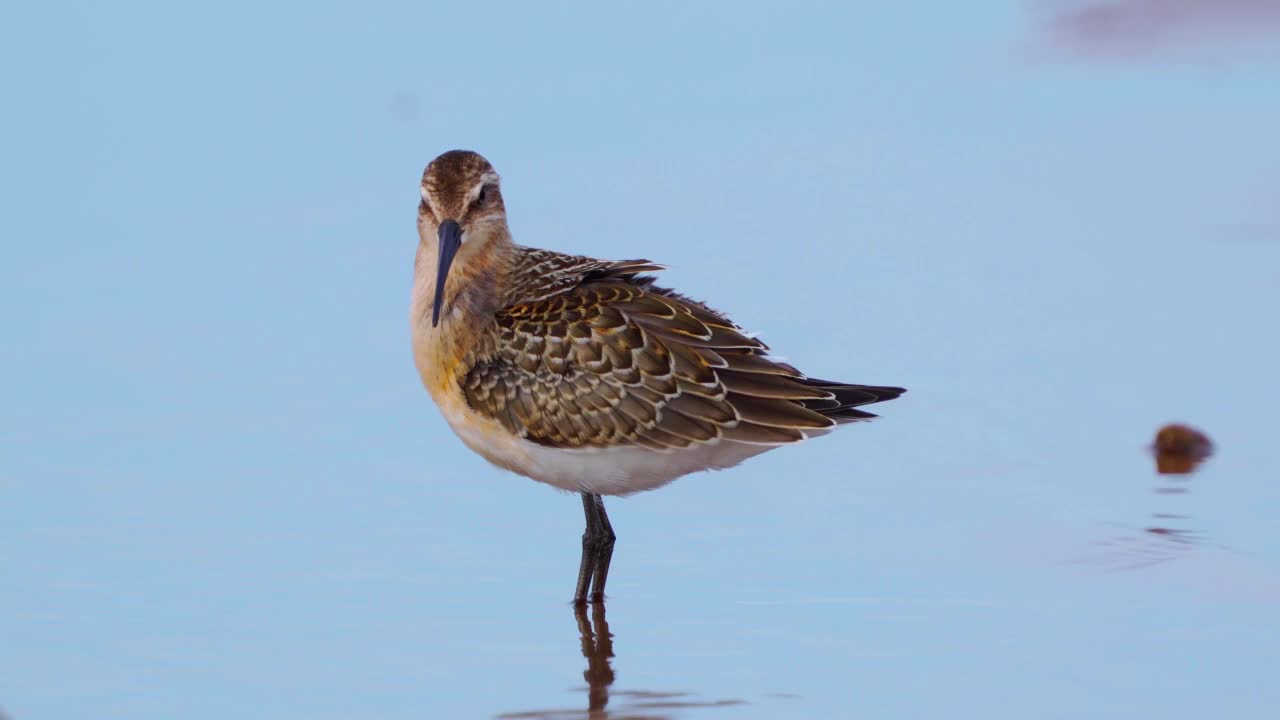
(841, 408)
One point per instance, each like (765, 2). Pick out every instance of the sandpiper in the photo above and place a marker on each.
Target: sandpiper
(582, 373)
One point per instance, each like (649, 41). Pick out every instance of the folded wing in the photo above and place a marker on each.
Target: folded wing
(605, 359)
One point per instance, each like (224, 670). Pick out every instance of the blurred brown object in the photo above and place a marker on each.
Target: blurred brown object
(1179, 449)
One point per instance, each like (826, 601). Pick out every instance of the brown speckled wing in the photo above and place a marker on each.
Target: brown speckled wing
(609, 360)
(540, 274)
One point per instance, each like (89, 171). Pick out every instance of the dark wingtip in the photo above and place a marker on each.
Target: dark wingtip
(847, 397)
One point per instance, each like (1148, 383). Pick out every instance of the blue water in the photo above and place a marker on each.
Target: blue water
(1034, 589)
(224, 494)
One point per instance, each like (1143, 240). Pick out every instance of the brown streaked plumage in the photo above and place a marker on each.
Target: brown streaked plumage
(582, 373)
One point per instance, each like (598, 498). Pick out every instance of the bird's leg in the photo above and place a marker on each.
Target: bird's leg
(586, 569)
(603, 548)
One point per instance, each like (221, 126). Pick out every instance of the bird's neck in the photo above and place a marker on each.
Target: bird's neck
(472, 295)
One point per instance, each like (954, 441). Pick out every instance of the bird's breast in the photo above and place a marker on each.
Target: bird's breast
(443, 356)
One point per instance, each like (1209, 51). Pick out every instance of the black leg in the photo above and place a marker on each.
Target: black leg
(586, 568)
(604, 550)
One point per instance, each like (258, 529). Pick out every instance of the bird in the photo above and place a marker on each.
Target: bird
(583, 373)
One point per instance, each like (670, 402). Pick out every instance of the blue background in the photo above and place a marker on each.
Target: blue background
(224, 493)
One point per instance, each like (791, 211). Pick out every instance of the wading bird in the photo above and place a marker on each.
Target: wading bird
(582, 373)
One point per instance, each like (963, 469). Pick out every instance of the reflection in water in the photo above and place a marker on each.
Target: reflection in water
(1178, 450)
(597, 648)
(1165, 536)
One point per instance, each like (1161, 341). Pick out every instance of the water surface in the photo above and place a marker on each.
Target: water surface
(223, 493)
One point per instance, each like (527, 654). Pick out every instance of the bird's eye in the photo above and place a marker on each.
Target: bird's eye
(484, 194)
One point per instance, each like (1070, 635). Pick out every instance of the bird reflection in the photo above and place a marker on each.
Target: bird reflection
(597, 648)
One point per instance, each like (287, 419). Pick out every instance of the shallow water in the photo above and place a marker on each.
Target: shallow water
(999, 543)
(224, 494)
(1120, 593)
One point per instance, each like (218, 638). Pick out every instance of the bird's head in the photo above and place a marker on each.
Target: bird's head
(461, 213)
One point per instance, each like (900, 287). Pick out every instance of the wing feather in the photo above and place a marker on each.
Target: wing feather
(592, 355)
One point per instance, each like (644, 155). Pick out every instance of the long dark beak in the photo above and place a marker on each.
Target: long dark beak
(450, 240)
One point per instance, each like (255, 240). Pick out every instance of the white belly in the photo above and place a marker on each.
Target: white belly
(601, 471)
